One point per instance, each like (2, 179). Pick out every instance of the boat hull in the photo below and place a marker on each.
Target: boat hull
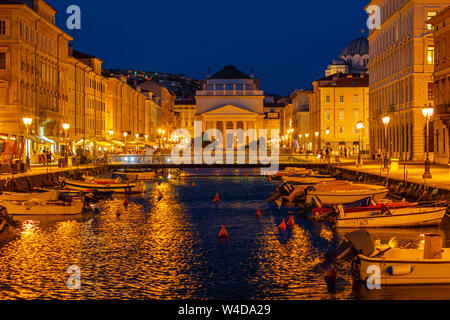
(340, 197)
(414, 271)
(117, 187)
(44, 208)
(402, 217)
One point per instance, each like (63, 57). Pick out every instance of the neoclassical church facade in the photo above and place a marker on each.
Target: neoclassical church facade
(230, 99)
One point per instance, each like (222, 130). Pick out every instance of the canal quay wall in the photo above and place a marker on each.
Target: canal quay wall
(29, 181)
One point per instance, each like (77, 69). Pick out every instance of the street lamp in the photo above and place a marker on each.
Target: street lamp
(125, 134)
(111, 132)
(427, 113)
(386, 121)
(66, 127)
(27, 122)
(360, 127)
(317, 141)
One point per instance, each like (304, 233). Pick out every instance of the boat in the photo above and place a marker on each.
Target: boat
(366, 204)
(47, 195)
(386, 265)
(103, 186)
(44, 207)
(138, 175)
(408, 216)
(306, 179)
(341, 191)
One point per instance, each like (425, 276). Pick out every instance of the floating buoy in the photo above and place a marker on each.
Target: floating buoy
(258, 212)
(216, 198)
(269, 178)
(193, 184)
(282, 226)
(125, 203)
(246, 178)
(291, 221)
(223, 234)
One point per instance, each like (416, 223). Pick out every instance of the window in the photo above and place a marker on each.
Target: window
(430, 91)
(2, 60)
(356, 98)
(444, 49)
(328, 99)
(430, 55)
(2, 27)
(341, 129)
(356, 115)
(430, 14)
(328, 114)
(341, 114)
(229, 87)
(341, 98)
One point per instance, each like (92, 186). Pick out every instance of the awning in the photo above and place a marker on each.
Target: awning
(38, 140)
(102, 143)
(117, 143)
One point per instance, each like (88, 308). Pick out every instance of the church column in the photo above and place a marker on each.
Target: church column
(234, 133)
(224, 133)
(244, 124)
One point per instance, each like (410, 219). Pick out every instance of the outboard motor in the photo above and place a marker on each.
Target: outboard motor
(353, 243)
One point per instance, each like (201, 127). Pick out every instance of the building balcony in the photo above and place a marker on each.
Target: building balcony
(230, 93)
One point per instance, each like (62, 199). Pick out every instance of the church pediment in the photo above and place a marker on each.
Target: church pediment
(229, 110)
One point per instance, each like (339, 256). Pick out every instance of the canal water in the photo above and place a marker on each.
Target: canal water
(169, 249)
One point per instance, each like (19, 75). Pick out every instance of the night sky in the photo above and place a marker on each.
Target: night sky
(289, 43)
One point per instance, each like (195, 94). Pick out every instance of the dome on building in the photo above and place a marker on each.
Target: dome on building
(358, 46)
(230, 72)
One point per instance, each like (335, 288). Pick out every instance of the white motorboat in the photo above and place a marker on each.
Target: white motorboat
(406, 267)
(340, 191)
(394, 217)
(44, 207)
(387, 265)
(51, 195)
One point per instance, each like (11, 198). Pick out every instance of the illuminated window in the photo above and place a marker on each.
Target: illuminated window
(430, 14)
(328, 99)
(327, 115)
(2, 27)
(341, 115)
(356, 98)
(341, 98)
(430, 55)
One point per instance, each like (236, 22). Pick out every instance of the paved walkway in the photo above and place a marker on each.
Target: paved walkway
(413, 170)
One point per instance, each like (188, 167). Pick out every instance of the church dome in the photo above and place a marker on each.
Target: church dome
(358, 46)
(230, 72)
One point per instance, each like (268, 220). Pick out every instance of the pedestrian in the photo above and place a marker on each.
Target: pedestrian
(49, 157)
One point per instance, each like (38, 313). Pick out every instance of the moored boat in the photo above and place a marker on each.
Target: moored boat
(106, 186)
(393, 217)
(338, 192)
(44, 207)
(306, 179)
(386, 265)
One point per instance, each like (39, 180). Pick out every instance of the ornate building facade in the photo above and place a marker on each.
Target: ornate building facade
(441, 25)
(401, 76)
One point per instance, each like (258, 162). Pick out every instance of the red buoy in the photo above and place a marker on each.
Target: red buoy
(269, 178)
(283, 225)
(258, 212)
(291, 221)
(217, 198)
(223, 234)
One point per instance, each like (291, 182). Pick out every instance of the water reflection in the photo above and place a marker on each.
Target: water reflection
(165, 245)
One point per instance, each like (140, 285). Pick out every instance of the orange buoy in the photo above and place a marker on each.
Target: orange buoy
(246, 178)
(283, 225)
(125, 203)
(269, 178)
(223, 234)
(291, 221)
(258, 212)
(193, 184)
(216, 198)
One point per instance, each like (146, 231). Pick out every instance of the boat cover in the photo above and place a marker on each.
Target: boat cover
(361, 241)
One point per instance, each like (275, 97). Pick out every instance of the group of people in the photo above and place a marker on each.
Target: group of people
(46, 157)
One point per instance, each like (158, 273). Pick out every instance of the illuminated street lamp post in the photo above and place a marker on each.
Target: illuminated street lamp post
(307, 136)
(386, 121)
(125, 134)
(360, 127)
(66, 127)
(27, 122)
(427, 113)
(317, 141)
